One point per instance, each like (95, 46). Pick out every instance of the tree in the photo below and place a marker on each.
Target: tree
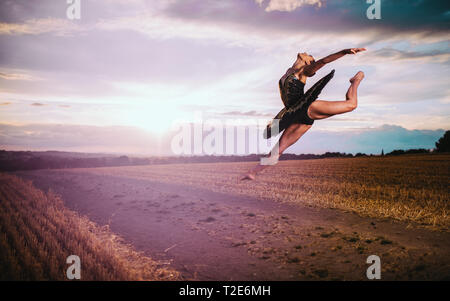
(382, 152)
(443, 144)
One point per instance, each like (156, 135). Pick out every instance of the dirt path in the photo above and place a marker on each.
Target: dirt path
(214, 236)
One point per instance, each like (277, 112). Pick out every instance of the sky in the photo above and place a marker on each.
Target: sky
(121, 78)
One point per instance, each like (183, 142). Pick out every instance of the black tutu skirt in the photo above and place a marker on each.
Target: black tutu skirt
(296, 102)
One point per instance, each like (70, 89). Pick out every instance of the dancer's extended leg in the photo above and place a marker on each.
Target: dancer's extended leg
(321, 109)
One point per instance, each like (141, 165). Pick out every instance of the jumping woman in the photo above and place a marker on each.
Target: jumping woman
(302, 108)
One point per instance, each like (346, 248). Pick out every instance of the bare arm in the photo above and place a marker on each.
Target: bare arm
(309, 70)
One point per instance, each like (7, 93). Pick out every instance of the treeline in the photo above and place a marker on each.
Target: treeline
(397, 152)
(28, 160)
(12, 160)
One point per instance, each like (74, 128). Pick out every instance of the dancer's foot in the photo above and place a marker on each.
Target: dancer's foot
(249, 176)
(358, 77)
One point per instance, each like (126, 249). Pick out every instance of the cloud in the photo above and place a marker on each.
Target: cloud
(20, 10)
(125, 52)
(57, 26)
(161, 27)
(16, 76)
(212, 20)
(5, 103)
(248, 113)
(83, 138)
(402, 17)
(37, 104)
(397, 54)
(431, 16)
(288, 5)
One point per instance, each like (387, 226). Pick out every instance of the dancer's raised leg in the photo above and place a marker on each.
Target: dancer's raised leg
(321, 109)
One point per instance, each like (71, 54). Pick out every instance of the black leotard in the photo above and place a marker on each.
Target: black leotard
(296, 101)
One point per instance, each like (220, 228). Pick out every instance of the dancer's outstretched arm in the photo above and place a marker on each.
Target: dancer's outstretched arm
(309, 70)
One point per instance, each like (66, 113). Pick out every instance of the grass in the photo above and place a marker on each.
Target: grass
(410, 188)
(37, 234)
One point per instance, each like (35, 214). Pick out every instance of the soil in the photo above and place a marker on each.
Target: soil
(207, 235)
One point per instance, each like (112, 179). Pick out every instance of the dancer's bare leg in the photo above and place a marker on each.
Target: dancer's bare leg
(321, 109)
(289, 137)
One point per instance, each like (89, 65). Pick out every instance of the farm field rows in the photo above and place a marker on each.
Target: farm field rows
(38, 233)
(411, 188)
(300, 220)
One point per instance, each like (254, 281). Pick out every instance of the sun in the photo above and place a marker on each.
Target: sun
(150, 106)
(157, 118)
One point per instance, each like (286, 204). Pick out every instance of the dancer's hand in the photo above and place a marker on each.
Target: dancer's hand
(354, 50)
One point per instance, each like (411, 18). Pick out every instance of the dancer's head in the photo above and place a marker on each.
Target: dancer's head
(304, 58)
